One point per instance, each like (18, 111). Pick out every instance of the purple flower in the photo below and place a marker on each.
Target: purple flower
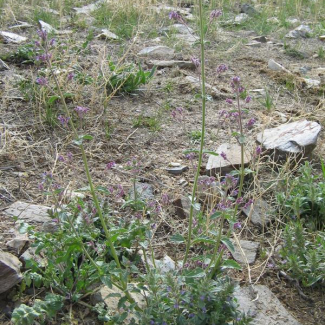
(195, 61)
(69, 155)
(176, 306)
(110, 165)
(229, 101)
(251, 122)
(215, 14)
(204, 310)
(152, 322)
(258, 150)
(63, 120)
(81, 111)
(41, 81)
(44, 57)
(42, 34)
(222, 68)
(165, 199)
(239, 200)
(52, 42)
(190, 156)
(70, 76)
(175, 15)
(37, 44)
(237, 225)
(223, 155)
(249, 203)
(236, 80)
(191, 315)
(248, 99)
(61, 158)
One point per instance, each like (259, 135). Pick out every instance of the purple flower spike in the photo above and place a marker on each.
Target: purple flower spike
(222, 68)
(41, 81)
(70, 76)
(196, 61)
(63, 120)
(215, 14)
(258, 150)
(251, 122)
(237, 225)
(248, 99)
(42, 34)
(229, 101)
(175, 15)
(110, 165)
(52, 42)
(81, 111)
(223, 155)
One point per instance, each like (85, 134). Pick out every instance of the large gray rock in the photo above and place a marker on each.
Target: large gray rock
(157, 52)
(301, 31)
(266, 307)
(3, 66)
(246, 251)
(275, 66)
(30, 213)
(85, 10)
(179, 29)
(171, 64)
(260, 213)
(9, 271)
(219, 165)
(293, 138)
(9, 37)
(144, 191)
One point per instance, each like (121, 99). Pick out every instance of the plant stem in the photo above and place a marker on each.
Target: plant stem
(203, 95)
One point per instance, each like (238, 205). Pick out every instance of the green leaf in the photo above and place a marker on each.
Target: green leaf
(230, 264)
(203, 239)
(80, 139)
(227, 242)
(53, 99)
(177, 239)
(106, 279)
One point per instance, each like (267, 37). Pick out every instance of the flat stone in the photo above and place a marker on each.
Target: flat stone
(241, 18)
(294, 138)
(254, 44)
(157, 52)
(9, 37)
(187, 38)
(177, 170)
(106, 34)
(260, 213)
(248, 9)
(9, 271)
(321, 37)
(179, 29)
(47, 27)
(264, 305)
(21, 25)
(111, 297)
(171, 64)
(219, 165)
(3, 66)
(301, 31)
(30, 254)
(31, 213)
(195, 83)
(182, 207)
(261, 39)
(164, 265)
(144, 191)
(312, 83)
(85, 10)
(18, 243)
(258, 93)
(249, 248)
(275, 66)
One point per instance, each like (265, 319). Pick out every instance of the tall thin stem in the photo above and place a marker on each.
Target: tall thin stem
(203, 95)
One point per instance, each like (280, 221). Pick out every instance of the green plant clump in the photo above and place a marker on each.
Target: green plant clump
(127, 79)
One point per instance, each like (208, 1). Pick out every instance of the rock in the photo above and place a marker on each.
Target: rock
(260, 213)
(301, 31)
(185, 12)
(157, 52)
(195, 83)
(182, 207)
(186, 38)
(177, 170)
(50, 227)
(293, 21)
(264, 305)
(248, 9)
(219, 165)
(254, 44)
(249, 248)
(8, 37)
(3, 66)
(273, 20)
(106, 34)
(294, 138)
(304, 70)
(144, 191)
(18, 243)
(171, 64)
(164, 266)
(241, 18)
(47, 27)
(9, 271)
(275, 66)
(322, 37)
(30, 213)
(312, 83)
(21, 25)
(258, 93)
(111, 297)
(85, 10)
(261, 39)
(179, 29)
(30, 254)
